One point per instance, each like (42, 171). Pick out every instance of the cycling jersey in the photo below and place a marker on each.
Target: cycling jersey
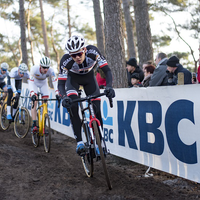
(14, 76)
(37, 79)
(3, 76)
(14, 86)
(2, 79)
(92, 57)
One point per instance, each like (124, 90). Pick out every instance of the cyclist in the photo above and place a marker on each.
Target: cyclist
(80, 63)
(3, 74)
(38, 79)
(14, 86)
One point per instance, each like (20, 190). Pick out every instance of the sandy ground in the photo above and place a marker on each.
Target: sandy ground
(28, 173)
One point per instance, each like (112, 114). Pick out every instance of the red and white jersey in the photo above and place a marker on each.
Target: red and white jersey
(39, 79)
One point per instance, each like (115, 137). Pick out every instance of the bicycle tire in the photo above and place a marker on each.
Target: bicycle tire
(21, 127)
(96, 131)
(47, 134)
(87, 160)
(4, 122)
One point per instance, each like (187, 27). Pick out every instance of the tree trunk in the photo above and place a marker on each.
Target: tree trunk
(44, 30)
(99, 27)
(29, 31)
(129, 29)
(68, 18)
(114, 44)
(54, 47)
(23, 32)
(20, 52)
(144, 42)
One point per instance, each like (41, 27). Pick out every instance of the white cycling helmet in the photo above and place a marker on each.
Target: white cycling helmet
(23, 68)
(45, 62)
(75, 43)
(4, 66)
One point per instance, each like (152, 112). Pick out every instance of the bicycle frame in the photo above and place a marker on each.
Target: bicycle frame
(41, 118)
(44, 125)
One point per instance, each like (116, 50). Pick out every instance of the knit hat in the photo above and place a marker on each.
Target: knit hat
(136, 76)
(132, 62)
(173, 62)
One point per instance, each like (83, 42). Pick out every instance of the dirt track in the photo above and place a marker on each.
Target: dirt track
(30, 173)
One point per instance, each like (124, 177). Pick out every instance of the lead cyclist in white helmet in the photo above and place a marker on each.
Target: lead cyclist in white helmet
(3, 74)
(14, 86)
(38, 79)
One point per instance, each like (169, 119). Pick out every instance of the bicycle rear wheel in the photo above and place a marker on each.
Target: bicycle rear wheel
(4, 122)
(98, 140)
(87, 160)
(22, 123)
(47, 134)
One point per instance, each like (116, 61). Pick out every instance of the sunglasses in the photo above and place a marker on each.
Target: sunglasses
(4, 70)
(21, 72)
(45, 67)
(79, 54)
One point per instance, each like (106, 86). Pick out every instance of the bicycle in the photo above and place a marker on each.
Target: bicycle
(44, 128)
(93, 135)
(21, 118)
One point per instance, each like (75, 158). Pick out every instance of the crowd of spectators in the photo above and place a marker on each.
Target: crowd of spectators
(164, 72)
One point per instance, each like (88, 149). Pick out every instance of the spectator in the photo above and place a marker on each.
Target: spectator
(173, 68)
(194, 78)
(149, 62)
(101, 78)
(159, 76)
(132, 67)
(135, 79)
(148, 71)
(198, 73)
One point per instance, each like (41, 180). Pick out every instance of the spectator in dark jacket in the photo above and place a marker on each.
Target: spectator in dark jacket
(132, 67)
(135, 80)
(173, 68)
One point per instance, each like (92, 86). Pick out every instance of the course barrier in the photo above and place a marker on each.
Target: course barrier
(156, 126)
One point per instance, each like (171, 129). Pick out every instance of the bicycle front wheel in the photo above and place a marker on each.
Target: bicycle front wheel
(22, 123)
(47, 134)
(4, 122)
(87, 160)
(98, 140)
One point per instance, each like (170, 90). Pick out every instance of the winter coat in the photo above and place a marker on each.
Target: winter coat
(159, 76)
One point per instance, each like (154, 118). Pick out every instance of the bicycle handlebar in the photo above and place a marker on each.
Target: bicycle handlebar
(46, 100)
(87, 98)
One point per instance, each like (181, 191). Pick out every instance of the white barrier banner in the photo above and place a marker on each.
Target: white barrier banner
(156, 126)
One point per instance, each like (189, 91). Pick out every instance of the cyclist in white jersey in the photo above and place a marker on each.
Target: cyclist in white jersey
(3, 74)
(38, 79)
(15, 86)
